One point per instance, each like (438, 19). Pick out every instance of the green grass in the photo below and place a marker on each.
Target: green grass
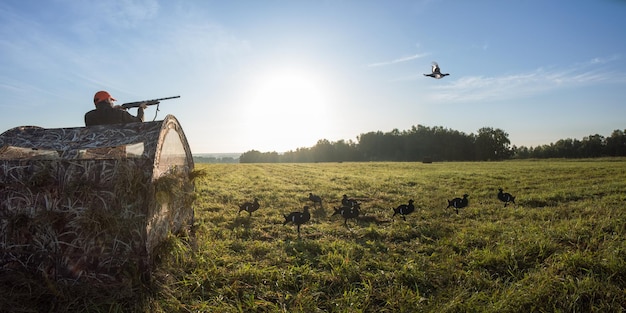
(560, 249)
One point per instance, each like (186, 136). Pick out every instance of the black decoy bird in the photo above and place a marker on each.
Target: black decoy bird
(249, 206)
(298, 218)
(505, 197)
(458, 203)
(315, 198)
(404, 209)
(347, 212)
(347, 202)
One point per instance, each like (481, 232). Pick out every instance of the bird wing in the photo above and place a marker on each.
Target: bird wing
(436, 68)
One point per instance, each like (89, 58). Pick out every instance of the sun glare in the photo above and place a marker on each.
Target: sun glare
(287, 110)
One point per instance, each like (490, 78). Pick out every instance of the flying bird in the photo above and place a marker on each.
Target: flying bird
(436, 72)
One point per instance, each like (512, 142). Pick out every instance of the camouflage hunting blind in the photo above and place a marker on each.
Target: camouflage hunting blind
(89, 202)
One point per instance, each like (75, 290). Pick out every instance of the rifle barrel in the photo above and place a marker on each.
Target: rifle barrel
(135, 104)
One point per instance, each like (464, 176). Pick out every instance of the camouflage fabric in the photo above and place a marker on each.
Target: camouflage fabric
(91, 202)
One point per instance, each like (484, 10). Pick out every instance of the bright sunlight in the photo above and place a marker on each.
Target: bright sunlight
(287, 109)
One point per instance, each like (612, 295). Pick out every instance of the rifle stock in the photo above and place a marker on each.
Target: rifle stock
(136, 104)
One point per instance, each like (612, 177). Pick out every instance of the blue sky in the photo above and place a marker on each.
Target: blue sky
(280, 75)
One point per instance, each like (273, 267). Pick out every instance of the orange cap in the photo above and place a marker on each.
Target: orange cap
(102, 96)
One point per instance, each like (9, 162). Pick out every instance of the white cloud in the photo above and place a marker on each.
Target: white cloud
(398, 60)
(474, 88)
(113, 13)
(181, 50)
(604, 60)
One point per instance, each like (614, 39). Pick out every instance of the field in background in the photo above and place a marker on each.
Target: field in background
(561, 248)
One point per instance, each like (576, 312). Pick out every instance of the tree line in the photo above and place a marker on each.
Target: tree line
(428, 144)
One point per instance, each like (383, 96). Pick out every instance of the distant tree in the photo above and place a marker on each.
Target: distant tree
(271, 157)
(370, 145)
(419, 143)
(254, 156)
(454, 145)
(346, 151)
(592, 146)
(294, 156)
(323, 151)
(520, 152)
(616, 143)
(203, 159)
(566, 148)
(442, 144)
(492, 144)
(228, 160)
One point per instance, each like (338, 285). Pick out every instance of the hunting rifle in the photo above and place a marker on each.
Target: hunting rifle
(137, 104)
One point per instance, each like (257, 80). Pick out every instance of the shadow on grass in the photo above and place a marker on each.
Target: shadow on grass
(241, 221)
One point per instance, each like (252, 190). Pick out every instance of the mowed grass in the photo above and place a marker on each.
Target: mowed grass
(561, 248)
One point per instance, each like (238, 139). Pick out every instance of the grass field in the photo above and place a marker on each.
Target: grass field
(561, 248)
